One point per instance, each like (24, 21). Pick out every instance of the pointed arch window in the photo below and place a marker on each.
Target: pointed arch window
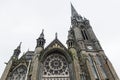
(102, 69)
(84, 34)
(93, 67)
(19, 73)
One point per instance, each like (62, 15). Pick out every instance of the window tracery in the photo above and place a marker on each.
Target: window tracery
(19, 73)
(55, 67)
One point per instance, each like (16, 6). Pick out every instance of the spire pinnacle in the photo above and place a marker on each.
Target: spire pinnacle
(56, 35)
(73, 11)
(28, 49)
(19, 46)
(42, 34)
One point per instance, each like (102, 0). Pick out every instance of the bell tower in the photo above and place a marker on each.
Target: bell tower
(93, 62)
(83, 33)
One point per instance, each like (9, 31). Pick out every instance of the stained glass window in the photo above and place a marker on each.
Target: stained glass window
(19, 73)
(55, 67)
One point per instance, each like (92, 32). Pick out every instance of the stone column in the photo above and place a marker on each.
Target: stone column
(36, 62)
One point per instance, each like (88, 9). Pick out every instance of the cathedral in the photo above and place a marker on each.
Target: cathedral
(82, 59)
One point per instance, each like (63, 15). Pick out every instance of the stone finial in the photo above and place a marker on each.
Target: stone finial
(42, 34)
(56, 35)
(19, 46)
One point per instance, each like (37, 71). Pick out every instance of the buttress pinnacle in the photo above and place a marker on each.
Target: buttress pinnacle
(19, 46)
(42, 34)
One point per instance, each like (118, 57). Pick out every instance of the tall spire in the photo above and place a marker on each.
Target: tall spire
(75, 17)
(73, 11)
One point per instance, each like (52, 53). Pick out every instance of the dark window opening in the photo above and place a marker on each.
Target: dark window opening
(84, 34)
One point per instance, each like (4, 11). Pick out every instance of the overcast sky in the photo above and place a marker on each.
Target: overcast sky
(23, 21)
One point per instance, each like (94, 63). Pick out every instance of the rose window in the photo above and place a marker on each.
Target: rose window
(55, 67)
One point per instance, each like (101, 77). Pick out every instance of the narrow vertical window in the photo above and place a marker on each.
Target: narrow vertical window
(102, 69)
(93, 68)
(83, 77)
(84, 34)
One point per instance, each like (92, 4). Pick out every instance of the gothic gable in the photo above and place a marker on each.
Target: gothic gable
(54, 46)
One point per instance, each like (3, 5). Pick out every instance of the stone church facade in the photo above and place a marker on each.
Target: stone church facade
(83, 59)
